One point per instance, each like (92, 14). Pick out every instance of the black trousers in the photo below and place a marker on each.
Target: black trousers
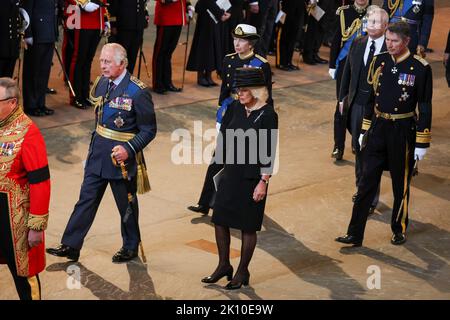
(340, 128)
(7, 67)
(131, 40)
(165, 44)
(265, 27)
(28, 288)
(36, 72)
(287, 35)
(85, 45)
(91, 194)
(313, 37)
(208, 191)
(390, 145)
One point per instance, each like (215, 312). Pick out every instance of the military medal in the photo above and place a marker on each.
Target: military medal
(7, 148)
(119, 122)
(405, 96)
(394, 70)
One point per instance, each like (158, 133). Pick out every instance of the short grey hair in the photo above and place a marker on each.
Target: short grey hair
(11, 88)
(376, 9)
(261, 93)
(120, 54)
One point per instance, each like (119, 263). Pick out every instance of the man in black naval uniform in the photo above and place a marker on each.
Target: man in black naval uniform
(354, 86)
(350, 27)
(125, 124)
(419, 16)
(128, 20)
(397, 137)
(40, 37)
(10, 23)
(245, 37)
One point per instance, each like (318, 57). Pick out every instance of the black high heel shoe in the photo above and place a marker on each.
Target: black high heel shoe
(238, 285)
(211, 279)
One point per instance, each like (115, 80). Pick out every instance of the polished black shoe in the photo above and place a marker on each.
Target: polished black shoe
(124, 255)
(372, 209)
(199, 208)
(64, 251)
(239, 284)
(398, 238)
(50, 91)
(80, 105)
(203, 82)
(35, 113)
(284, 68)
(309, 60)
(337, 153)
(319, 60)
(347, 239)
(293, 67)
(47, 111)
(172, 88)
(214, 278)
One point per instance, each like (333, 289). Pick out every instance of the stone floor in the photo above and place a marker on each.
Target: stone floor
(309, 204)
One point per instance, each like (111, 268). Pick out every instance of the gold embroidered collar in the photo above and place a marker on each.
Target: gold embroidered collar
(16, 113)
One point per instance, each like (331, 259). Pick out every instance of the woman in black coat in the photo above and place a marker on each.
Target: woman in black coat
(246, 146)
(207, 45)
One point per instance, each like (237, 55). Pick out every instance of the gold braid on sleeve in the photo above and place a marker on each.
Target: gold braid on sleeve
(347, 33)
(37, 222)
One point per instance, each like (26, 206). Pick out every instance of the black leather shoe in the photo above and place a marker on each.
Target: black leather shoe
(203, 82)
(78, 104)
(172, 88)
(398, 238)
(372, 209)
(347, 239)
(293, 67)
(199, 208)
(50, 91)
(64, 251)
(309, 60)
(211, 83)
(337, 153)
(47, 111)
(35, 113)
(124, 255)
(159, 91)
(214, 278)
(239, 284)
(319, 60)
(284, 68)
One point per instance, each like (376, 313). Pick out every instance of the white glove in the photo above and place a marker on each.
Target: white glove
(91, 7)
(360, 139)
(191, 11)
(419, 153)
(332, 73)
(29, 41)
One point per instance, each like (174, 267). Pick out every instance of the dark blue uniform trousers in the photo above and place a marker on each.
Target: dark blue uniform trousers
(91, 194)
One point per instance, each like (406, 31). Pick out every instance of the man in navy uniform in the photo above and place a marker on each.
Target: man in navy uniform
(419, 16)
(397, 138)
(354, 86)
(125, 124)
(9, 36)
(350, 27)
(40, 37)
(128, 20)
(245, 37)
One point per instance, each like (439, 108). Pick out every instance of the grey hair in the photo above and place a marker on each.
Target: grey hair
(376, 9)
(120, 54)
(261, 93)
(11, 88)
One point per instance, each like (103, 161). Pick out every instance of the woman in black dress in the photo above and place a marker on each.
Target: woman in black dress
(246, 146)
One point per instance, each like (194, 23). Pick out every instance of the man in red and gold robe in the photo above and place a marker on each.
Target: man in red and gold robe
(24, 193)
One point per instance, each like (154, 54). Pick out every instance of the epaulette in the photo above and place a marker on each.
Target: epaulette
(138, 82)
(261, 58)
(230, 54)
(338, 11)
(422, 60)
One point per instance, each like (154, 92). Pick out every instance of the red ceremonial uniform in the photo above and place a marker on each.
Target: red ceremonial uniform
(24, 190)
(87, 20)
(170, 13)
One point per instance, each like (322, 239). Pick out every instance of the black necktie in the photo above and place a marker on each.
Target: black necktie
(111, 87)
(371, 53)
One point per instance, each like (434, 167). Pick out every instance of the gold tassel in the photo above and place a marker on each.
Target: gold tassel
(143, 184)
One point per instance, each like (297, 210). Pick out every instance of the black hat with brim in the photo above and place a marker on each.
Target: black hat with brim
(249, 77)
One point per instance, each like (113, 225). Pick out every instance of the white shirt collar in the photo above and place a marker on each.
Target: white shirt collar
(120, 78)
(378, 43)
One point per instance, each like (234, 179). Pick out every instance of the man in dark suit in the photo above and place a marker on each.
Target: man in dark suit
(126, 124)
(262, 14)
(354, 87)
(129, 18)
(40, 38)
(10, 21)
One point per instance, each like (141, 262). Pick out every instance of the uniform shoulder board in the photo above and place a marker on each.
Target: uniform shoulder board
(422, 60)
(381, 53)
(231, 54)
(338, 11)
(138, 82)
(261, 58)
